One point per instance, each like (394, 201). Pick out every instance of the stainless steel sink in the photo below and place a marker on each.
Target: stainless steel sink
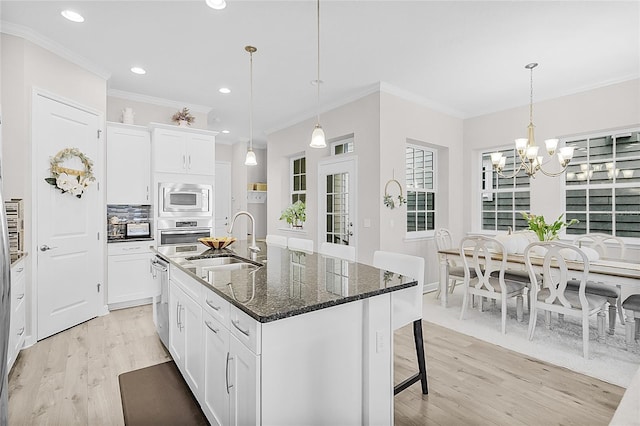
(223, 263)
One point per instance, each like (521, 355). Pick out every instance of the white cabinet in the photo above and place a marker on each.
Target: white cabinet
(18, 304)
(128, 164)
(186, 151)
(215, 401)
(185, 335)
(129, 281)
(244, 371)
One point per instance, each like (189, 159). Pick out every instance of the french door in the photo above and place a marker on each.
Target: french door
(337, 183)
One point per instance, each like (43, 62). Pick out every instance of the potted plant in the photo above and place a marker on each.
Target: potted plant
(295, 214)
(544, 231)
(183, 118)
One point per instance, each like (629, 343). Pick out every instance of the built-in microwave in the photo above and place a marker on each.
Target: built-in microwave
(184, 200)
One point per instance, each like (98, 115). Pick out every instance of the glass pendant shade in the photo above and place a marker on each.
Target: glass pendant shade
(317, 138)
(250, 159)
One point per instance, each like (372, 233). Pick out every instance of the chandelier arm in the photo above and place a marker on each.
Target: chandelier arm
(515, 173)
(552, 174)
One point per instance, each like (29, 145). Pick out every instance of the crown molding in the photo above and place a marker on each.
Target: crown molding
(137, 97)
(38, 39)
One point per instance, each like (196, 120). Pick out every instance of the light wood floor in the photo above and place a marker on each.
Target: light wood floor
(72, 379)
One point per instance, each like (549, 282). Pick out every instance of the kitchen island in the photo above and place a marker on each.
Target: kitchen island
(292, 338)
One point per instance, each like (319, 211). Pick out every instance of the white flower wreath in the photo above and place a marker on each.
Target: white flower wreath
(70, 180)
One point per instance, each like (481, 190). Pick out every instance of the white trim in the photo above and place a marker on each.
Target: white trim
(421, 100)
(137, 97)
(165, 126)
(53, 47)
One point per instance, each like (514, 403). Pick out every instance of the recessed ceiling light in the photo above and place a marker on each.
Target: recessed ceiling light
(216, 4)
(138, 70)
(226, 132)
(72, 16)
(224, 90)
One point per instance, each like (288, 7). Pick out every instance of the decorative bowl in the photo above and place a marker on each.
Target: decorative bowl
(217, 242)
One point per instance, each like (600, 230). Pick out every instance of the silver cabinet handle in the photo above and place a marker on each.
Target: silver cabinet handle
(181, 314)
(236, 324)
(45, 247)
(210, 327)
(20, 296)
(19, 270)
(184, 161)
(229, 385)
(210, 303)
(189, 167)
(132, 248)
(178, 315)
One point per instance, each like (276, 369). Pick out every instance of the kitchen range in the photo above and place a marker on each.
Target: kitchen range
(262, 342)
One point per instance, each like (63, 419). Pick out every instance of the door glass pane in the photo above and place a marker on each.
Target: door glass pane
(337, 214)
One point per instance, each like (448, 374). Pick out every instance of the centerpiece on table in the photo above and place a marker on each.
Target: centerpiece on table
(544, 231)
(295, 215)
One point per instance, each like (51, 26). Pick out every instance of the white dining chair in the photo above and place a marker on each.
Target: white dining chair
(601, 243)
(556, 296)
(456, 272)
(407, 307)
(276, 240)
(489, 281)
(341, 251)
(300, 244)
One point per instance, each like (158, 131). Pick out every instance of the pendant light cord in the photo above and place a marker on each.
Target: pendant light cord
(531, 98)
(318, 80)
(251, 101)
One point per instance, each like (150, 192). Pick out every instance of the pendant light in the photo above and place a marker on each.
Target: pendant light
(317, 137)
(250, 160)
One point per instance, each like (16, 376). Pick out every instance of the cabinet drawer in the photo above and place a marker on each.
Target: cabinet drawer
(17, 271)
(246, 329)
(216, 306)
(115, 249)
(17, 293)
(187, 283)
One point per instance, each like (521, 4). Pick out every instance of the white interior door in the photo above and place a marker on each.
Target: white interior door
(223, 198)
(66, 227)
(337, 201)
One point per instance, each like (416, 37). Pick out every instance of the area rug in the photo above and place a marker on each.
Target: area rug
(610, 361)
(158, 395)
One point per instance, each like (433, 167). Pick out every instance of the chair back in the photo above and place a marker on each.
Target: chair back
(443, 239)
(407, 304)
(555, 270)
(276, 240)
(300, 244)
(599, 243)
(338, 250)
(482, 250)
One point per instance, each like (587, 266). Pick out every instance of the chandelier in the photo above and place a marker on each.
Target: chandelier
(527, 149)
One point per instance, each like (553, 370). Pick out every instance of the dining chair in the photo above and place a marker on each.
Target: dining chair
(456, 272)
(601, 243)
(632, 327)
(300, 244)
(341, 251)
(485, 284)
(276, 240)
(556, 296)
(407, 307)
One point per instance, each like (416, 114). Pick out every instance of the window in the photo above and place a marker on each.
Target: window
(504, 198)
(603, 185)
(298, 180)
(420, 165)
(342, 145)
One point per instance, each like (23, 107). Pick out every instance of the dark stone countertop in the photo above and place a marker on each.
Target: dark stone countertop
(289, 283)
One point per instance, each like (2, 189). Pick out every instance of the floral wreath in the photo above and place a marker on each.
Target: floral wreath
(70, 180)
(388, 199)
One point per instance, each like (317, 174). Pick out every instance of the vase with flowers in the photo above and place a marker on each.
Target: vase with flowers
(183, 117)
(544, 231)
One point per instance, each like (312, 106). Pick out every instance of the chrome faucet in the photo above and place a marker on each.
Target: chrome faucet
(253, 248)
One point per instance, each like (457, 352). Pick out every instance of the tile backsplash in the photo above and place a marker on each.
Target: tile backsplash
(118, 215)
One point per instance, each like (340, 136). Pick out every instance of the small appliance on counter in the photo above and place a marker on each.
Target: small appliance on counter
(128, 222)
(138, 230)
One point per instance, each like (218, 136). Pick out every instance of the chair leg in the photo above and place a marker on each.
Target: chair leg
(630, 329)
(503, 309)
(533, 316)
(519, 307)
(620, 312)
(547, 319)
(601, 321)
(585, 335)
(612, 315)
(421, 376)
(465, 301)
(637, 322)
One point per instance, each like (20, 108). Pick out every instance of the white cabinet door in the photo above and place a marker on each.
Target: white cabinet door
(191, 317)
(128, 164)
(244, 366)
(17, 317)
(183, 151)
(176, 336)
(215, 401)
(201, 152)
(129, 277)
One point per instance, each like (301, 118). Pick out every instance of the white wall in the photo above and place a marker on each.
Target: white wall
(145, 113)
(612, 107)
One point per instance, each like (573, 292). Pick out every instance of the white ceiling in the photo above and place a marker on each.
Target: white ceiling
(464, 58)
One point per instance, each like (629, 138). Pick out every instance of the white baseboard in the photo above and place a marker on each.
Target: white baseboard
(130, 304)
(430, 287)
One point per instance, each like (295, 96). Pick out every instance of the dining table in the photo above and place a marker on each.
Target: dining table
(620, 273)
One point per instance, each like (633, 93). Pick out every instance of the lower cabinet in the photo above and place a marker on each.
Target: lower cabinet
(185, 337)
(18, 317)
(128, 271)
(243, 384)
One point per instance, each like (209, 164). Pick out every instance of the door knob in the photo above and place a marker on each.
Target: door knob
(45, 247)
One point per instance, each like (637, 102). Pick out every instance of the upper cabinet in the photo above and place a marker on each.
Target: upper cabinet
(128, 164)
(183, 150)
